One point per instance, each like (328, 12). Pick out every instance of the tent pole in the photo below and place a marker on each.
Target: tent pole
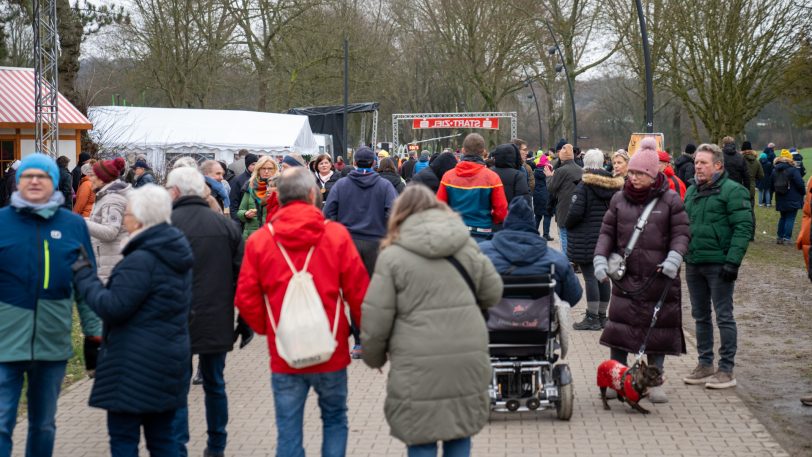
(344, 139)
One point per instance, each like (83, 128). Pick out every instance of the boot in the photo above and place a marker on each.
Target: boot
(198, 379)
(602, 319)
(779, 240)
(590, 322)
(548, 238)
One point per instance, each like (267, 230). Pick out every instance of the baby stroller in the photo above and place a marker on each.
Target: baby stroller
(526, 340)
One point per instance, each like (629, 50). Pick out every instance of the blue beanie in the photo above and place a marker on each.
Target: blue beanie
(520, 216)
(42, 162)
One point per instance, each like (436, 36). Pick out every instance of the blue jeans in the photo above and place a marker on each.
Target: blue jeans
(289, 395)
(453, 448)
(212, 367)
(562, 233)
(544, 222)
(125, 432)
(786, 223)
(705, 288)
(765, 197)
(44, 382)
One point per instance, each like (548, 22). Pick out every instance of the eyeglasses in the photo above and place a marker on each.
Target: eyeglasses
(31, 177)
(267, 169)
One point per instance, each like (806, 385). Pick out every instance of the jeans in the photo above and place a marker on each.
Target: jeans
(125, 432)
(765, 197)
(544, 223)
(289, 395)
(619, 355)
(706, 287)
(786, 223)
(454, 448)
(212, 367)
(597, 293)
(562, 233)
(44, 382)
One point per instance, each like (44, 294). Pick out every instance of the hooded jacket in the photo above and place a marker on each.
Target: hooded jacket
(422, 163)
(395, 180)
(630, 315)
(735, 166)
(475, 192)
(106, 225)
(562, 185)
(685, 168)
(541, 195)
(144, 362)
(589, 204)
(362, 203)
(794, 198)
(766, 159)
(755, 169)
(674, 182)
(217, 247)
(805, 234)
(419, 314)
(507, 166)
(335, 266)
(85, 198)
(432, 175)
(407, 169)
(519, 250)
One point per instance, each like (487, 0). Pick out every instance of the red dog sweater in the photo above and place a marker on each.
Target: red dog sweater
(610, 374)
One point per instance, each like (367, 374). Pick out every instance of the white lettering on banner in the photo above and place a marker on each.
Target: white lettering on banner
(456, 123)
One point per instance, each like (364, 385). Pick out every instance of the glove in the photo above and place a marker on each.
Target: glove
(671, 264)
(729, 272)
(82, 260)
(91, 351)
(601, 266)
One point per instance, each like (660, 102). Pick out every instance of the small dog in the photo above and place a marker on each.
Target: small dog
(630, 388)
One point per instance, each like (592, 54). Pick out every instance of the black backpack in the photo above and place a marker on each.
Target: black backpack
(781, 182)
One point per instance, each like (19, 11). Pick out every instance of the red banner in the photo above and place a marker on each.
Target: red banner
(487, 123)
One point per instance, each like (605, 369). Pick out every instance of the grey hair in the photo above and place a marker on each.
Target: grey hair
(295, 184)
(150, 205)
(188, 181)
(184, 161)
(206, 167)
(718, 156)
(593, 159)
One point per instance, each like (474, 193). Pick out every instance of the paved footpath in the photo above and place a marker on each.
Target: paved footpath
(696, 421)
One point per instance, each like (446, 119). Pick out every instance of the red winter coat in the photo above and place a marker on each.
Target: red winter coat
(679, 187)
(335, 265)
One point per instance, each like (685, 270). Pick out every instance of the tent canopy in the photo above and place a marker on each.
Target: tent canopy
(335, 109)
(126, 128)
(330, 120)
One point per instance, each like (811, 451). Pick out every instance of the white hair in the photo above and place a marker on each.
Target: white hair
(593, 159)
(184, 161)
(188, 181)
(150, 205)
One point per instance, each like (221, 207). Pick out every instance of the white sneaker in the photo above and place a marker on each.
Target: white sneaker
(721, 380)
(657, 395)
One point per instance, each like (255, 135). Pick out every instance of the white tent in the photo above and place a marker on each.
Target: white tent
(163, 134)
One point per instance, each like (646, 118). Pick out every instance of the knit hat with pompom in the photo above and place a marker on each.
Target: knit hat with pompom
(646, 160)
(109, 170)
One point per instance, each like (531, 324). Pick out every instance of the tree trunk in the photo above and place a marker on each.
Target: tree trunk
(70, 42)
(676, 131)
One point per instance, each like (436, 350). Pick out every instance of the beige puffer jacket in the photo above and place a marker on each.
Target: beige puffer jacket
(106, 226)
(420, 312)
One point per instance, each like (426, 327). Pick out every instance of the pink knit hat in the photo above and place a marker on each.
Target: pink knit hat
(646, 160)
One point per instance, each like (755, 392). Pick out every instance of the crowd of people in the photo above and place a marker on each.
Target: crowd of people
(402, 254)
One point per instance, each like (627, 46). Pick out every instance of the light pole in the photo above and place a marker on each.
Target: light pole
(647, 63)
(529, 83)
(551, 51)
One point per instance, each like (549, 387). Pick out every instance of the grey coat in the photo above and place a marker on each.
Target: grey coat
(420, 313)
(106, 226)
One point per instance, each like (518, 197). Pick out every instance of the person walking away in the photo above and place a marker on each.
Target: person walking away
(756, 178)
(718, 208)
(799, 161)
(253, 207)
(735, 165)
(36, 303)
(427, 329)
(422, 163)
(431, 176)
(674, 182)
(407, 169)
(299, 232)
(474, 191)
(541, 197)
(790, 191)
(144, 365)
(143, 174)
(652, 267)
(590, 201)
(65, 182)
(217, 247)
(85, 196)
(389, 172)
(213, 174)
(561, 184)
(620, 163)
(77, 173)
(766, 159)
(507, 166)
(326, 175)
(685, 164)
(237, 185)
(525, 168)
(106, 221)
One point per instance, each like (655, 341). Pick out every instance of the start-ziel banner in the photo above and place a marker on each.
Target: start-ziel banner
(456, 123)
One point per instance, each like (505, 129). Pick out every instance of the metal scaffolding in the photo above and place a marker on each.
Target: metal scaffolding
(46, 78)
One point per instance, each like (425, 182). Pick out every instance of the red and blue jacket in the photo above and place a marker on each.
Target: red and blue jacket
(475, 192)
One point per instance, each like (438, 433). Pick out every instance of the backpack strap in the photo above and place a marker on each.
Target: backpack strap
(287, 258)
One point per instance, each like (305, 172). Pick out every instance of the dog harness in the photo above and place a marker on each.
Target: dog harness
(611, 374)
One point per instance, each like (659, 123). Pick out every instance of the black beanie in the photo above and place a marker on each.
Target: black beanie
(250, 159)
(690, 148)
(747, 146)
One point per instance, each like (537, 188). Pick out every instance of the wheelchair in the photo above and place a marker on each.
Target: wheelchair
(527, 338)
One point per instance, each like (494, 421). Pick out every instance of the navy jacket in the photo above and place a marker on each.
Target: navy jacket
(794, 199)
(540, 193)
(235, 197)
(145, 360)
(519, 245)
(362, 203)
(767, 166)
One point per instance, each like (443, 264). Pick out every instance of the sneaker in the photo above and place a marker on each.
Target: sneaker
(721, 380)
(807, 400)
(356, 352)
(548, 238)
(700, 375)
(657, 395)
(590, 322)
(198, 379)
(602, 318)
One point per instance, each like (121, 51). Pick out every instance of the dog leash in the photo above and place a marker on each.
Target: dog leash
(657, 308)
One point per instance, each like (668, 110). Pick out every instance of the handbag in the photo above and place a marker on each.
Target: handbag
(616, 268)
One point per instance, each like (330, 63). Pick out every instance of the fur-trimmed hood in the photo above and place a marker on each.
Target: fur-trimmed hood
(750, 155)
(787, 160)
(604, 180)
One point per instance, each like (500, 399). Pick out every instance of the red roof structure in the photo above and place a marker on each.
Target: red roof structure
(17, 102)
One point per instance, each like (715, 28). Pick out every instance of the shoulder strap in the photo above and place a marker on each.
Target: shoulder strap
(287, 258)
(456, 263)
(638, 228)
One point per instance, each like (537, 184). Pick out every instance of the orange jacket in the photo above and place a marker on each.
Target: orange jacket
(803, 241)
(85, 198)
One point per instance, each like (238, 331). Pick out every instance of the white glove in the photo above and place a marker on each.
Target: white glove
(601, 266)
(671, 264)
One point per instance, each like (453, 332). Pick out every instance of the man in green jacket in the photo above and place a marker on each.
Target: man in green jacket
(721, 225)
(38, 243)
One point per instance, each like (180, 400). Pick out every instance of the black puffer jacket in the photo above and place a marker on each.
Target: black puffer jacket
(506, 164)
(394, 178)
(685, 168)
(736, 166)
(589, 204)
(431, 175)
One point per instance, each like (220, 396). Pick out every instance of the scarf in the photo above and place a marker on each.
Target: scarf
(644, 195)
(323, 181)
(217, 188)
(261, 189)
(44, 210)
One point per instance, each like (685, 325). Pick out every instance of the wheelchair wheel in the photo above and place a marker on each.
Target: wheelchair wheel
(563, 407)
